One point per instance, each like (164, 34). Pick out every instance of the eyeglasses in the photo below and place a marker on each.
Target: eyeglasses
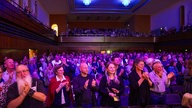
(24, 71)
(60, 70)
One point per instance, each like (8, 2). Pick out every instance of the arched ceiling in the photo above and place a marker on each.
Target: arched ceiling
(107, 10)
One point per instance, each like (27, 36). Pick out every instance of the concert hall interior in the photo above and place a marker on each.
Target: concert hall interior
(105, 29)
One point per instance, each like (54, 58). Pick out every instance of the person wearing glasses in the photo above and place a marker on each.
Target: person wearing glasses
(26, 92)
(59, 90)
(160, 82)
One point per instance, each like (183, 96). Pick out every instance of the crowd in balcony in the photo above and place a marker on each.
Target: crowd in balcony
(116, 32)
(97, 79)
(124, 32)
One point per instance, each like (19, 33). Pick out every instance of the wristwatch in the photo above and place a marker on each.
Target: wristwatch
(31, 92)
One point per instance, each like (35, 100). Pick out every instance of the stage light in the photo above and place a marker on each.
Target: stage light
(109, 51)
(87, 2)
(126, 2)
(186, 50)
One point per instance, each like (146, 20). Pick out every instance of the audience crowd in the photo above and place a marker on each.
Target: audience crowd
(124, 32)
(95, 79)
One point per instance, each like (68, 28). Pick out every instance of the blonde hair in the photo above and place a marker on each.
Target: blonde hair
(115, 75)
(187, 97)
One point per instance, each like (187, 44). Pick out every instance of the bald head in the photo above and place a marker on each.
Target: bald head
(84, 69)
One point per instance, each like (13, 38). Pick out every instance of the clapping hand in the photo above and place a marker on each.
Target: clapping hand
(64, 84)
(86, 84)
(26, 89)
(145, 75)
(67, 86)
(93, 83)
(115, 90)
(112, 94)
(170, 75)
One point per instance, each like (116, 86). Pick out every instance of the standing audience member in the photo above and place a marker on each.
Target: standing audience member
(43, 67)
(1, 87)
(48, 74)
(84, 87)
(165, 61)
(160, 82)
(188, 77)
(1, 78)
(172, 68)
(101, 68)
(67, 66)
(111, 87)
(120, 69)
(180, 67)
(94, 65)
(59, 89)
(148, 65)
(129, 66)
(32, 66)
(139, 85)
(56, 60)
(9, 77)
(28, 92)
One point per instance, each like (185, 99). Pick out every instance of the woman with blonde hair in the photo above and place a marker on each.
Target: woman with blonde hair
(111, 87)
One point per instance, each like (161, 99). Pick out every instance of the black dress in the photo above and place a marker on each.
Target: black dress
(139, 95)
(105, 88)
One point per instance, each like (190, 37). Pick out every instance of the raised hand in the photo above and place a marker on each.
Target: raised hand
(93, 83)
(145, 75)
(86, 84)
(115, 90)
(67, 86)
(112, 94)
(64, 84)
(170, 75)
(26, 89)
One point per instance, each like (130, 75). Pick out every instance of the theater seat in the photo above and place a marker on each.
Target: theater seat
(173, 100)
(176, 89)
(157, 106)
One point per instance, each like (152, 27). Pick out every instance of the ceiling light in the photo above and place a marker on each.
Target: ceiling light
(87, 2)
(126, 2)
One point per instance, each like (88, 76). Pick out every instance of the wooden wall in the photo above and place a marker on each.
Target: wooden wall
(17, 47)
(140, 23)
(175, 42)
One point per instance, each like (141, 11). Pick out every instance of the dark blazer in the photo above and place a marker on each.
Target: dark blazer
(139, 95)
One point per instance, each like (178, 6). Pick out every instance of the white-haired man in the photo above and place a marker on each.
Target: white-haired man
(160, 82)
(26, 92)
